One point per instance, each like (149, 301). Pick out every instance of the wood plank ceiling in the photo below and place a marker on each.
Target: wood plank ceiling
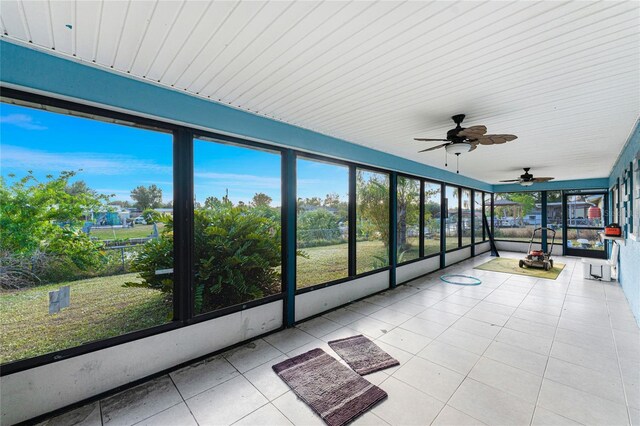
(563, 76)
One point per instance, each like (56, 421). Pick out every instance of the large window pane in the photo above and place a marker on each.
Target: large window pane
(487, 214)
(453, 214)
(372, 220)
(432, 214)
(323, 229)
(477, 215)
(408, 219)
(517, 214)
(236, 225)
(554, 214)
(86, 206)
(585, 211)
(466, 217)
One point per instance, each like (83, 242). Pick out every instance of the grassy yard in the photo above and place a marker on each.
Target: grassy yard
(328, 263)
(138, 231)
(100, 308)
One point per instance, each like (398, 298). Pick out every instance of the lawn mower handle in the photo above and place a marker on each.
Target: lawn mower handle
(553, 237)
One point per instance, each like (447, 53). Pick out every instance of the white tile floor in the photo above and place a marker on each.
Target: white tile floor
(513, 351)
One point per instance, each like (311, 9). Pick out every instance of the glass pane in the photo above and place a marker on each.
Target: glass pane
(432, 213)
(477, 216)
(554, 214)
(585, 210)
(614, 203)
(236, 225)
(517, 214)
(372, 220)
(451, 224)
(323, 229)
(487, 213)
(86, 211)
(584, 239)
(466, 217)
(408, 205)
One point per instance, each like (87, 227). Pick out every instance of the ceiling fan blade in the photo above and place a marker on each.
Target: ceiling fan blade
(473, 132)
(430, 140)
(543, 179)
(496, 139)
(473, 147)
(435, 147)
(510, 180)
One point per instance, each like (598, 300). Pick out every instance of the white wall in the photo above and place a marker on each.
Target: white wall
(324, 299)
(457, 256)
(37, 391)
(413, 270)
(482, 247)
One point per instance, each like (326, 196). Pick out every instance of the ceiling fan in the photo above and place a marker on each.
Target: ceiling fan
(460, 140)
(527, 178)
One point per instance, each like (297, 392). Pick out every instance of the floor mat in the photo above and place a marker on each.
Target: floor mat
(332, 390)
(510, 266)
(362, 354)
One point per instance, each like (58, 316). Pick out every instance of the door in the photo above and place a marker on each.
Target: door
(584, 216)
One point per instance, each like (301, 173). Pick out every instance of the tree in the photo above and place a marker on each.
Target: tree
(408, 202)
(41, 218)
(372, 202)
(147, 197)
(261, 199)
(79, 187)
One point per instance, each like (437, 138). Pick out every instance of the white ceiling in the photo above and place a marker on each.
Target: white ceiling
(563, 76)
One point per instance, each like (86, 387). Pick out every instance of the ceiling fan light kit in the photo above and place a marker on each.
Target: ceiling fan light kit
(458, 148)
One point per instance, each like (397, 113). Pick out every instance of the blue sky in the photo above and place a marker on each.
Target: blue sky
(115, 159)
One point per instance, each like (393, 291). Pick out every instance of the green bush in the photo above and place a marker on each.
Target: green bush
(236, 252)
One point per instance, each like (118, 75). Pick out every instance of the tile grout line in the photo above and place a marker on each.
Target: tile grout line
(184, 400)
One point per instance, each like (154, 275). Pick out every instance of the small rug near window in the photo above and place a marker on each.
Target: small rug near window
(510, 266)
(362, 354)
(332, 390)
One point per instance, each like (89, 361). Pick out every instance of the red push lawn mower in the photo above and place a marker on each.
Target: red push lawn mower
(538, 258)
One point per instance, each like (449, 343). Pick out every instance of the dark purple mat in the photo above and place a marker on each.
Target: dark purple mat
(362, 354)
(332, 390)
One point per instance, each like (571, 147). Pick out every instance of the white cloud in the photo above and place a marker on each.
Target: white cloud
(21, 120)
(90, 162)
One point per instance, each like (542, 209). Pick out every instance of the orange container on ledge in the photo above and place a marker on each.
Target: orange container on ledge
(613, 230)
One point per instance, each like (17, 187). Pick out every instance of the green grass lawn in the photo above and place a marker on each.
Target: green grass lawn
(329, 263)
(100, 308)
(138, 231)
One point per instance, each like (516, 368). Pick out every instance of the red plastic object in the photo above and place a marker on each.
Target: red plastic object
(594, 212)
(536, 253)
(613, 230)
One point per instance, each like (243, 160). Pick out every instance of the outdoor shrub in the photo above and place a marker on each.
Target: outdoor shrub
(236, 252)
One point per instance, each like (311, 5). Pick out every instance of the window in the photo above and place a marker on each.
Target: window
(585, 217)
(237, 214)
(86, 231)
(323, 228)
(478, 227)
(466, 217)
(554, 214)
(408, 231)
(517, 214)
(453, 214)
(372, 220)
(432, 213)
(487, 214)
